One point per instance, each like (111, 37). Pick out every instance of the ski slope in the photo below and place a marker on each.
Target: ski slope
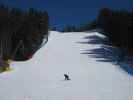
(41, 78)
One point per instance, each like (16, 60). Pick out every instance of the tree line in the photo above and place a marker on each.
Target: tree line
(79, 28)
(117, 25)
(21, 32)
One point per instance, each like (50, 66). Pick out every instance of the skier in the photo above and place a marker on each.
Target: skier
(66, 77)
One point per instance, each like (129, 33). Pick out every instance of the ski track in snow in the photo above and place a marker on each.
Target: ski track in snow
(41, 78)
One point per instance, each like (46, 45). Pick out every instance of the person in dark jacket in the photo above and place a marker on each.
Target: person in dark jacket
(66, 77)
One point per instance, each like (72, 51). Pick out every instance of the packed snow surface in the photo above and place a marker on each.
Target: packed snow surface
(41, 78)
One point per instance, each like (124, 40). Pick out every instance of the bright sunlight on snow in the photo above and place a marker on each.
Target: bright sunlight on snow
(41, 78)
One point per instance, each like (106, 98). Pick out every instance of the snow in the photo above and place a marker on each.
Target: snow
(41, 78)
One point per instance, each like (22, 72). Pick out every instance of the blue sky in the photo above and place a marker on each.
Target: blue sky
(70, 12)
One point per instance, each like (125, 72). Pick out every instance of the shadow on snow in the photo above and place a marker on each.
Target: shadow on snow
(94, 40)
(106, 53)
